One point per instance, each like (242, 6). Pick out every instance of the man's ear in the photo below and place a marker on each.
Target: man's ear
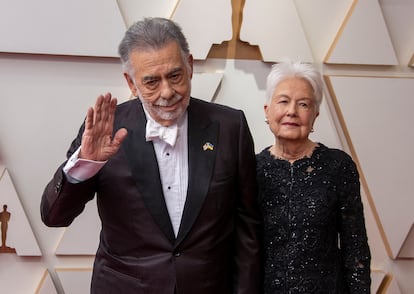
(131, 84)
(191, 63)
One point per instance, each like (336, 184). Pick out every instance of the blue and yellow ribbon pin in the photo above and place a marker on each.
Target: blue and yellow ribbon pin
(208, 146)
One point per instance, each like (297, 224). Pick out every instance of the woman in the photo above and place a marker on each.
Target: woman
(314, 232)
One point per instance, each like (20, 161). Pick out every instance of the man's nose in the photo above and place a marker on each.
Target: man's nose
(167, 91)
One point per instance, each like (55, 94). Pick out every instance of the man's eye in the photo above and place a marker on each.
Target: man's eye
(175, 77)
(151, 83)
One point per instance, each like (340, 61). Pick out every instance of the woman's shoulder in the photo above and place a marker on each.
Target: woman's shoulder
(333, 152)
(333, 155)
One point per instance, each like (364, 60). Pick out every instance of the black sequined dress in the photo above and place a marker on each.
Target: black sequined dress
(314, 230)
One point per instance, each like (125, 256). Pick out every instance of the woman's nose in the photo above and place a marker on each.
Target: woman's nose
(291, 110)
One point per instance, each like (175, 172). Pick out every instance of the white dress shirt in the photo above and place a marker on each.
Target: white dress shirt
(173, 168)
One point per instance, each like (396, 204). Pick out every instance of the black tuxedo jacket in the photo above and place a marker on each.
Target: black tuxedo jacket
(216, 250)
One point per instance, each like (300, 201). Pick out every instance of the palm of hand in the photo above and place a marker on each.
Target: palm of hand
(97, 141)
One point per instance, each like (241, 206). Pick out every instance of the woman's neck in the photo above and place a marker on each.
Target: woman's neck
(292, 151)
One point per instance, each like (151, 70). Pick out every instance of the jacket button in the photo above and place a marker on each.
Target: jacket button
(57, 187)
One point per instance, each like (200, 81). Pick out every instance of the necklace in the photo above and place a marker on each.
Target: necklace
(291, 157)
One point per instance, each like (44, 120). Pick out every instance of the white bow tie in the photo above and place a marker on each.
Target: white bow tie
(155, 130)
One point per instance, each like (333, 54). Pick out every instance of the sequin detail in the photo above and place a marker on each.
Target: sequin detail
(314, 230)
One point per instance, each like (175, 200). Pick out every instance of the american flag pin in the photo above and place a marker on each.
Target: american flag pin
(208, 146)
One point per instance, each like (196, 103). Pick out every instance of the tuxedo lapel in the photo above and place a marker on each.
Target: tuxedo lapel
(144, 166)
(202, 139)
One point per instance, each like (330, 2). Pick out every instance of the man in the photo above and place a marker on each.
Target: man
(174, 178)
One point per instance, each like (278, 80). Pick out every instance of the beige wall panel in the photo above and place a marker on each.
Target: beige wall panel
(73, 27)
(381, 146)
(133, 10)
(205, 85)
(20, 275)
(75, 280)
(399, 18)
(324, 129)
(379, 253)
(46, 285)
(364, 38)
(392, 287)
(204, 23)
(377, 277)
(407, 250)
(321, 25)
(265, 24)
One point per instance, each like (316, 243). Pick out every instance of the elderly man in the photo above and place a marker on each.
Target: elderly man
(174, 179)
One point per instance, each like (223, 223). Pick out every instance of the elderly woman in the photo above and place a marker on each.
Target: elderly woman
(315, 239)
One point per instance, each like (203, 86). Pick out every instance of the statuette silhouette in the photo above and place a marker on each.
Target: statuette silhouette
(4, 220)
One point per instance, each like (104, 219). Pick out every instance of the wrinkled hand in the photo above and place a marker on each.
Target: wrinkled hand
(97, 142)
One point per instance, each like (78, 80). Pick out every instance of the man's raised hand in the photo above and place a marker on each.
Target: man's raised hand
(97, 141)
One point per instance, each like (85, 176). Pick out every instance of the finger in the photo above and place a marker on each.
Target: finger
(111, 111)
(98, 108)
(89, 118)
(106, 108)
(108, 96)
(114, 102)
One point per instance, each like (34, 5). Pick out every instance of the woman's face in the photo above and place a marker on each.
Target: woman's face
(292, 111)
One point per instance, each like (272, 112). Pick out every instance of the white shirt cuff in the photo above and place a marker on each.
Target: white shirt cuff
(78, 170)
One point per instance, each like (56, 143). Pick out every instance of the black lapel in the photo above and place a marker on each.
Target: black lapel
(202, 146)
(144, 166)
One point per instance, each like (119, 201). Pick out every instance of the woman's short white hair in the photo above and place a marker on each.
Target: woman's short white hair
(289, 69)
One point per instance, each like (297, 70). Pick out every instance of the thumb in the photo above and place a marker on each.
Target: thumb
(120, 136)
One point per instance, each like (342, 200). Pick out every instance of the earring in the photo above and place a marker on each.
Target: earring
(312, 130)
(266, 121)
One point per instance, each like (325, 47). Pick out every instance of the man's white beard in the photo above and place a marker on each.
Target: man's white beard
(164, 115)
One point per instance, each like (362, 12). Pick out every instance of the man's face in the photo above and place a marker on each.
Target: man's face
(162, 81)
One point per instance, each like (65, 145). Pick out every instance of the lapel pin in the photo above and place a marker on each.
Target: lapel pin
(208, 146)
